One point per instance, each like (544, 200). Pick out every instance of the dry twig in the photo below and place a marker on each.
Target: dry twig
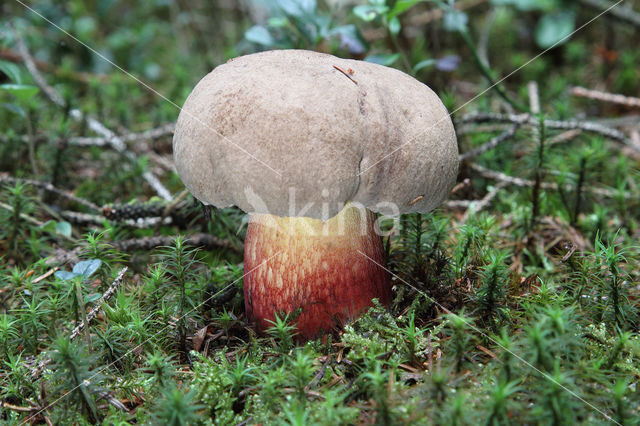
(206, 241)
(158, 132)
(93, 313)
(49, 187)
(114, 140)
(196, 240)
(477, 206)
(606, 97)
(492, 174)
(494, 142)
(39, 368)
(522, 119)
(621, 13)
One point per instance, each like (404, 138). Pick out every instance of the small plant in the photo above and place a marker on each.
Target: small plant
(240, 375)
(17, 228)
(507, 346)
(300, 25)
(556, 404)
(177, 408)
(411, 335)
(458, 345)
(33, 319)
(500, 402)
(296, 415)
(493, 283)
(8, 333)
(621, 410)
(614, 279)
(622, 342)
(162, 368)
(283, 332)
(74, 376)
(301, 373)
(375, 380)
(180, 262)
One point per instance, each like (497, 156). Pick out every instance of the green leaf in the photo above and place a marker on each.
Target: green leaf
(15, 109)
(65, 275)
(455, 20)
(555, 28)
(92, 297)
(394, 25)
(49, 226)
(86, 268)
(277, 22)
(12, 71)
(22, 92)
(368, 12)
(63, 228)
(298, 8)
(527, 5)
(401, 6)
(259, 35)
(383, 59)
(423, 64)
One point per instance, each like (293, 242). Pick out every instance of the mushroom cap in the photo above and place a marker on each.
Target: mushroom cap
(301, 133)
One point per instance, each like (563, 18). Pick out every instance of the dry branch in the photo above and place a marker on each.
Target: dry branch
(12, 56)
(477, 206)
(206, 241)
(494, 142)
(492, 174)
(155, 133)
(606, 96)
(526, 119)
(621, 13)
(40, 366)
(114, 140)
(93, 313)
(148, 243)
(49, 187)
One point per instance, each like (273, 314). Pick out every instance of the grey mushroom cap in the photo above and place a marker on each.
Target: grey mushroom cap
(301, 133)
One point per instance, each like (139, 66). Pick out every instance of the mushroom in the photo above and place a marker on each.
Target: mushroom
(312, 147)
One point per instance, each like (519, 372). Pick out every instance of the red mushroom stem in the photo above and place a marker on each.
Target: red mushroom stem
(316, 269)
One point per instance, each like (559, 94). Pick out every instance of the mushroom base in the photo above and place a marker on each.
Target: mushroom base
(323, 273)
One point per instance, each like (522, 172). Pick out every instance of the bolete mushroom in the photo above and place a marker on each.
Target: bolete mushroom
(311, 146)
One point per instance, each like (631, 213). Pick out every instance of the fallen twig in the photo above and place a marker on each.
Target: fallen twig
(92, 219)
(206, 241)
(155, 133)
(45, 275)
(621, 13)
(12, 56)
(492, 174)
(494, 142)
(477, 206)
(49, 187)
(114, 140)
(483, 117)
(149, 243)
(564, 137)
(62, 257)
(39, 368)
(24, 216)
(459, 204)
(606, 97)
(105, 296)
(319, 375)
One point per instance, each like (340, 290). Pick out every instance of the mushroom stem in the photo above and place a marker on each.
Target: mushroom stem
(317, 270)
